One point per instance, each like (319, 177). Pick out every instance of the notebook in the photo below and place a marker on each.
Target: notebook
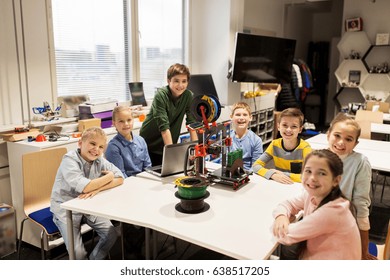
(172, 161)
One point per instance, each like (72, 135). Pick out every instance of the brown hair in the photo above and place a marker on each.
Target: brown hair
(341, 117)
(334, 162)
(119, 109)
(292, 112)
(178, 69)
(241, 105)
(93, 132)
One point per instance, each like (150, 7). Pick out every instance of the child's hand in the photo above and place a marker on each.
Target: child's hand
(281, 178)
(88, 195)
(281, 226)
(106, 172)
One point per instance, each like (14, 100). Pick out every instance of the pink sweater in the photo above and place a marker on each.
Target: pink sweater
(331, 231)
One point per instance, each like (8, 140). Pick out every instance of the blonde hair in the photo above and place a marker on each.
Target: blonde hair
(119, 109)
(241, 105)
(341, 117)
(292, 112)
(94, 131)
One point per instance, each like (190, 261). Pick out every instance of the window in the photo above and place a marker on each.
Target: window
(160, 40)
(93, 42)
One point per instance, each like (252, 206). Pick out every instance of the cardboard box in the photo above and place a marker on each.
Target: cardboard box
(84, 124)
(261, 102)
(17, 136)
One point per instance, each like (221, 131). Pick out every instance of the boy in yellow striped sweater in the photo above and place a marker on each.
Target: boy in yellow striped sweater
(288, 152)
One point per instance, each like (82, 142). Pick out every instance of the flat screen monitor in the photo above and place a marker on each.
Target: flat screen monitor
(262, 59)
(202, 84)
(137, 93)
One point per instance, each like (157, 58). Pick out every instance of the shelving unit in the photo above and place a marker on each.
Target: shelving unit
(359, 55)
(262, 108)
(377, 85)
(343, 71)
(376, 56)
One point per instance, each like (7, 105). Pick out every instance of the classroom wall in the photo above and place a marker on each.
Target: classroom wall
(375, 15)
(25, 76)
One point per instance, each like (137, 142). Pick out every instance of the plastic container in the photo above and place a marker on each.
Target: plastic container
(7, 230)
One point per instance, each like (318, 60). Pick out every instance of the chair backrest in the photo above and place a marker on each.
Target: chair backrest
(386, 252)
(382, 106)
(365, 127)
(364, 115)
(39, 172)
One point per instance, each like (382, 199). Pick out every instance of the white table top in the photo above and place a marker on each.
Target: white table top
(380, 128)
(238, 223)
(377, 152)
(386, 117)
(364, 144)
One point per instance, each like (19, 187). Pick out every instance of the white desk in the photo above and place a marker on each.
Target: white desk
(364, 144)
(238, 223)
(377, 152)
(386, 117)
(380, 128)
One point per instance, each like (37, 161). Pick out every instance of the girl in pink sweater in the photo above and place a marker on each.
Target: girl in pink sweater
(328, 230)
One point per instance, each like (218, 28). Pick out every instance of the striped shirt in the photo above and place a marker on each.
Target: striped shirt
(288, 161)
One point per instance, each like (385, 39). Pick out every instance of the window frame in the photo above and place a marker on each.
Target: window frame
(132, 53)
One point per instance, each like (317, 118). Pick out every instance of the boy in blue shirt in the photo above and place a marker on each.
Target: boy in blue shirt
(127, 151)
(83, 173)
(244, 138)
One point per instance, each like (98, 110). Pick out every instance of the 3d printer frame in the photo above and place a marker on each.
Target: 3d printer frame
(214, 140)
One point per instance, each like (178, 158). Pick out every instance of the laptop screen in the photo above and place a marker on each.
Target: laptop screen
(173, 159)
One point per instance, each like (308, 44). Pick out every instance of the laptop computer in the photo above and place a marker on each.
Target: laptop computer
(172, 161)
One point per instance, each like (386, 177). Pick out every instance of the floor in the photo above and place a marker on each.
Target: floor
(379, 217)
(167, 250)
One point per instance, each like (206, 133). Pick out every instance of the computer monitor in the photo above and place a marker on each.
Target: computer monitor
(137, 93)
(202, 84)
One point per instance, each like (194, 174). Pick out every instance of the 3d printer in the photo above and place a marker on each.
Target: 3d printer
(214, 141)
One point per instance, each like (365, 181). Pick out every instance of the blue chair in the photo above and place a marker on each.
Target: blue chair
(381, 251)
(39, 171)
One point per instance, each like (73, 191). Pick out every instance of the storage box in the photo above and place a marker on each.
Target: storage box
(84, 124)
(261, 102)
(7, 230)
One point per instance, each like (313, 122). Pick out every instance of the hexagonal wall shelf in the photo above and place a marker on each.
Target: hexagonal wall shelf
(377, 85)
(357, 42)
(343, 72)
(349, 95)
(375, 59)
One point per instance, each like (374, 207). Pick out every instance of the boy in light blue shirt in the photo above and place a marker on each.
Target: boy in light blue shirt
(244, 138)
(83, 173)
